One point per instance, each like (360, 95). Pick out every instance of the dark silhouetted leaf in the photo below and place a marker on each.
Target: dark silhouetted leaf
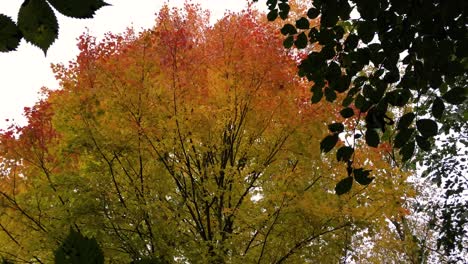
(456, 95)
(284, 10)
(372, 138)
(78, 249)
(344, 185)
(301, 41)
(313, 13)
(347, 112)
(438, 108)
(407, 151)
(402, 137)
(288, 42)
(38, 23)
(329, 142)
(10, 35)
(77, 9)
(288, 29)
(336, 127)
(272, 15)
(362, 176)
(317, 94)
(427, 127)
(344, 153)
(423, 143)
(406, 120)
(302, 23)
(330, 95)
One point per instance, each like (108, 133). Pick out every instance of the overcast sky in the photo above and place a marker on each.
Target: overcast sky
(25, 71)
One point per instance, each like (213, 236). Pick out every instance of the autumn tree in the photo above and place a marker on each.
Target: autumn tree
(188, 142)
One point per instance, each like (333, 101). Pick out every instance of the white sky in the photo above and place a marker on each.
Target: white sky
(25, 71)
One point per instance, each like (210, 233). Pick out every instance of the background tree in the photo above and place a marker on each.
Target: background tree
(184, 143)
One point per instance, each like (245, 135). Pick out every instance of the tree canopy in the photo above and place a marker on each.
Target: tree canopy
(192, 143)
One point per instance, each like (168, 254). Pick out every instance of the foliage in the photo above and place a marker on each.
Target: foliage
(187, 143)
(38, 24)
(77, 249)
(381, 61)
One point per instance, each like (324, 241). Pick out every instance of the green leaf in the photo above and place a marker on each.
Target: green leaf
(347, 112)
(372, 138)
(78, 249)
(407, 151)
(423, 143)
(77, 9)
(351, 42)
(344, 153)
(347, 101)
(288, 29)
(438, 108)
(344, 186)
(302, 23)
(336, 127)
(313, 13)
(272, 15)
(301, 41)
(402, 137)
(288, 42)
(406, 120)
(330, 95)
(456, 95)
(10, 35)
(362, 176)
(427, 127)
(38, 23)
(329, 142)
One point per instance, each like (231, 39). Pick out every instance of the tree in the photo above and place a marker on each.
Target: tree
(184, 144)
(391, 60)
(38, 24)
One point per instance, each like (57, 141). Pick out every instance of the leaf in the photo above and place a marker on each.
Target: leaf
(301, 41)
(344, 153)
(38, 23)
(336, 127)
(330, 95)
(372, 138)
(272, 15)
(302, 23)
(455, 96)
(288, 42)
(427, 127)
(78, 249)
(77, 9)
(313, 13)
(347, 112)
(402, 137)
(406, 120)
(288, 29)
(317, 93)
(10, 35)
(438, 108)
(366, 31)
(284, 10)
(329, 142)
(423, 143)
(362, 176)
(344, 186)
(407, 151)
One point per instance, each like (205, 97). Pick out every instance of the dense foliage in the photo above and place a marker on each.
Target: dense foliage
(191, 143)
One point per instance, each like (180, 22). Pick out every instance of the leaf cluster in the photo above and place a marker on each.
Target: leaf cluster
(37, 22)
(394, 54)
